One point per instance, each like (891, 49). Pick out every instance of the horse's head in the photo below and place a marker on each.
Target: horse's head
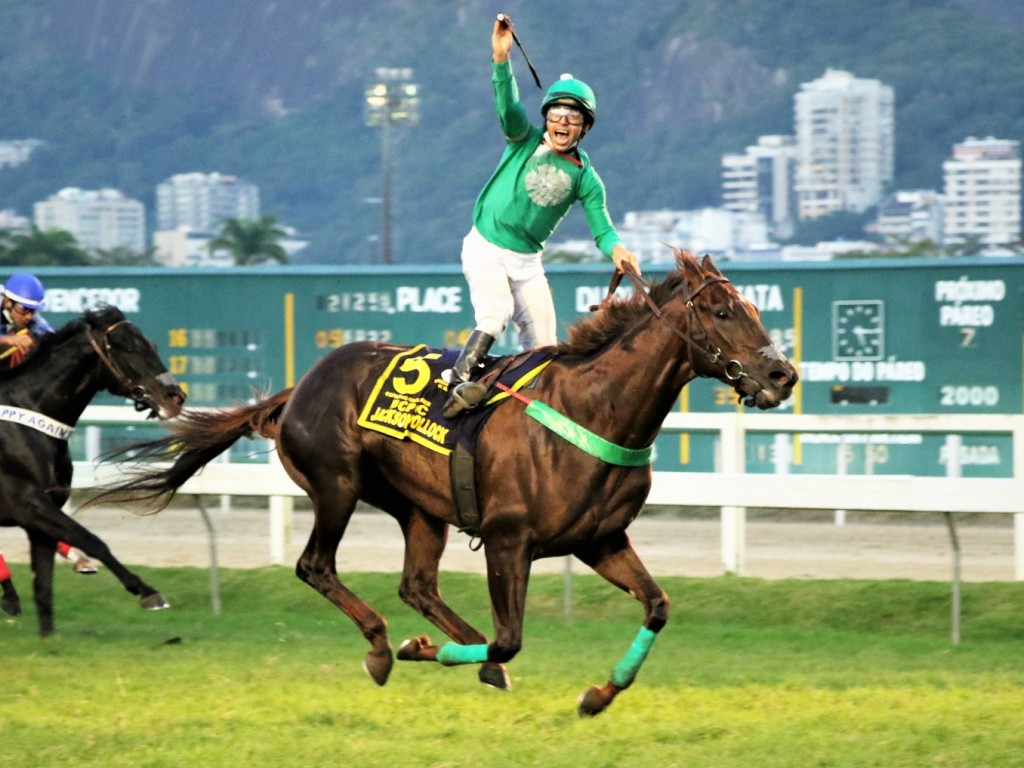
(728, 342)
(133, 367)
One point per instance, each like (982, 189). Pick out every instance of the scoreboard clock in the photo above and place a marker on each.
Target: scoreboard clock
(858, 330)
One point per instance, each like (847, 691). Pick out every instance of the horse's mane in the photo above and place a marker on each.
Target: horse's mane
(593, 333)
(100, 317)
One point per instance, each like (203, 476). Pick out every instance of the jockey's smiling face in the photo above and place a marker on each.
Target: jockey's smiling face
(565, 126)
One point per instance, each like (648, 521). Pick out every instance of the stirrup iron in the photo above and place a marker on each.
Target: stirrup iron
(463, 397)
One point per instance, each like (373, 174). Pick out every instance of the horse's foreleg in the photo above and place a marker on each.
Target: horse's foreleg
(42, 549)
(508, 571)
(615, 559)
(10, 603)
(425, 540)
(316, 567)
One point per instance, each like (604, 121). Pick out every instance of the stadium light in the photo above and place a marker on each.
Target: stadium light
(392, 99)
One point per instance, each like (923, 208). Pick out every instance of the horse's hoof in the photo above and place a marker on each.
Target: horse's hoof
(411, 649)
(154, 602)
(593, 702)
(495, 676)
(11, 606)
(378, 665)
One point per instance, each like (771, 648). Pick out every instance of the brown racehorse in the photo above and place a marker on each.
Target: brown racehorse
(539, 495)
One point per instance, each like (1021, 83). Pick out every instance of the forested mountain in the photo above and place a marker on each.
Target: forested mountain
(127, 92)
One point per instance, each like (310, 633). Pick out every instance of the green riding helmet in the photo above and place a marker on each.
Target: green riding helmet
(568, 88)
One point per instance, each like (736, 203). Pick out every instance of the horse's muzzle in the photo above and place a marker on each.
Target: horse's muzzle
(779, 388)
(165, 403)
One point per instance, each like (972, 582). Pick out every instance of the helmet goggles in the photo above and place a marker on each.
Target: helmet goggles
(560, 113)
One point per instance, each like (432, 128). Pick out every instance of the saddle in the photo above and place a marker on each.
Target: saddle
(407, 401)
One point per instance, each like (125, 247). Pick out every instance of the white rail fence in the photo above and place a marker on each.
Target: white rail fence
(730, 488)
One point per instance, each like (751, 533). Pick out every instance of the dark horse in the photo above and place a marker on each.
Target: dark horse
(618, 376)
(40, 401)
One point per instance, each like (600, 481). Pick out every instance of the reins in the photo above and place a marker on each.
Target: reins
(594, 444)
(733, 369)
(105, 354)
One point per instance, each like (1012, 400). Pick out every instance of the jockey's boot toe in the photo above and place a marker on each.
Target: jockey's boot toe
(463, 397)
(84, 565)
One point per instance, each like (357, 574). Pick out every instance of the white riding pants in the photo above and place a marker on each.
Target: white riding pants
(508, 286)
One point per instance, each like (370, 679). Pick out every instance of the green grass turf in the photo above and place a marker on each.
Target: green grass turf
(747, 673)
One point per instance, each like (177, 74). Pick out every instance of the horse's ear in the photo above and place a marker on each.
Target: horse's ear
(688, 264)
(708, 266)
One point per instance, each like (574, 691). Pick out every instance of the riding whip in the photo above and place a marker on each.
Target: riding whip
(506, 21)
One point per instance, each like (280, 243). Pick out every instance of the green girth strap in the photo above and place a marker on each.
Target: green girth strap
(586, 440)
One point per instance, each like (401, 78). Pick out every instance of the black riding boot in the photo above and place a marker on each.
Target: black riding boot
(463, 393)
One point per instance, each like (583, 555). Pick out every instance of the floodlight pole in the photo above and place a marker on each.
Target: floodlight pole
(392, 99)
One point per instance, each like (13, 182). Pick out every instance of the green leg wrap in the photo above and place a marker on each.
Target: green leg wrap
(453, 653)
(625, 671)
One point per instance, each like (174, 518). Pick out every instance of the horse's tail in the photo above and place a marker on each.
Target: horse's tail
(195, 439)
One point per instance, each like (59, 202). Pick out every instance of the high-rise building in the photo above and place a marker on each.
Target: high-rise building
(649, 234)
(845, 143)
(98, 219)
(203, 201)
(913, 215)
(983, 191)
(14, 224)
(763, 180)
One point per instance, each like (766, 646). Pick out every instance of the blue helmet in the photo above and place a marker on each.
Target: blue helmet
(25, 289)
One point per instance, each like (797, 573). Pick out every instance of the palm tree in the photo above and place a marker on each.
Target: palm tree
(45, 247)
(251, 241)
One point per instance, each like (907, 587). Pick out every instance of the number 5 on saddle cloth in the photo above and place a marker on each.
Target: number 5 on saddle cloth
(408, 397)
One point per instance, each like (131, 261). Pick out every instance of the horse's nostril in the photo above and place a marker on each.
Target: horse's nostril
(783, 378)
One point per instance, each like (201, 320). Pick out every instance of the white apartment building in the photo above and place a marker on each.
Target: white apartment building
(98, 219)
(913, 215)
(983, 191)
(652, 234)
(845, 143)
(202, 201)
(763, 180)
(14, 223)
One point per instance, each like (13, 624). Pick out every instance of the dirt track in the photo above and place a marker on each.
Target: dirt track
(866, 547)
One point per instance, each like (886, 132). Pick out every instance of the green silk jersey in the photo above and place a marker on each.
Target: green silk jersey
(533, 187)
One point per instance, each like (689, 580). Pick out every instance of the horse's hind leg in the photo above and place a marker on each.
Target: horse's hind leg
(52, 522)
(316, 566)
(425, 539)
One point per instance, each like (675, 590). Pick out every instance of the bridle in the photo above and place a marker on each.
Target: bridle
(732, 369)
(138, 393)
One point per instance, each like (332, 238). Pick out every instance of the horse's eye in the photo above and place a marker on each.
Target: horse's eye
(722, 314)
